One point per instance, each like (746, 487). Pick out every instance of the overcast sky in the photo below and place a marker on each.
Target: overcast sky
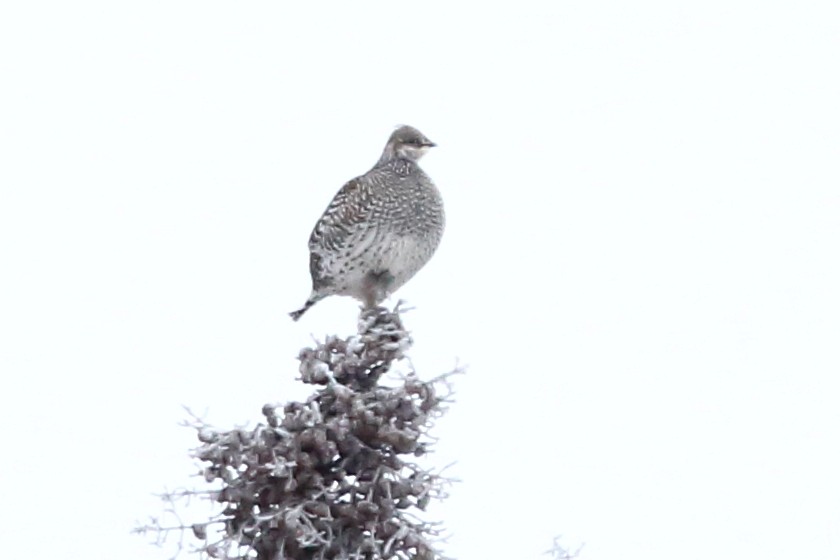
(640, 267)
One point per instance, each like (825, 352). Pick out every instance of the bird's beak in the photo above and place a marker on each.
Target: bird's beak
(429, 144)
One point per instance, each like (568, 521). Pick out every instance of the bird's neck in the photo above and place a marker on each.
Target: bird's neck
(403, 167)
(388, 155)
(392, 156)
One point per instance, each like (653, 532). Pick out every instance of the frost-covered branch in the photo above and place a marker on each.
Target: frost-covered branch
(333, 477)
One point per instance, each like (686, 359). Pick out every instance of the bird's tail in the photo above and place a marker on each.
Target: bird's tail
(313, 299)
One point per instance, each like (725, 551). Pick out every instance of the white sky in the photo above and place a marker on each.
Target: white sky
(640, 266)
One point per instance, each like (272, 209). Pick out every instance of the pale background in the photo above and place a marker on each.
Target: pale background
(640, 266)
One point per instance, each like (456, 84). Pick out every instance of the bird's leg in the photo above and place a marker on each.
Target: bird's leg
(376, 287)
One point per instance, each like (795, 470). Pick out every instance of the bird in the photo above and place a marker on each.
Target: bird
(380, 229)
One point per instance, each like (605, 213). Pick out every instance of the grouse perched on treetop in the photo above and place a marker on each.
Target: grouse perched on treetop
(380, 229)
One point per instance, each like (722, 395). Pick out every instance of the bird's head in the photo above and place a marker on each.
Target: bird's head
(408, 143)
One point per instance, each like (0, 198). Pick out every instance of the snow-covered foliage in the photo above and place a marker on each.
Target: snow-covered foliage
(333, 477)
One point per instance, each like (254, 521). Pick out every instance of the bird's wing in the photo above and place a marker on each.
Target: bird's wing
(344, 231)
(351, 207)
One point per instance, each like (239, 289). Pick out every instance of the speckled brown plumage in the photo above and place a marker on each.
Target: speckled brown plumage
(379, 229)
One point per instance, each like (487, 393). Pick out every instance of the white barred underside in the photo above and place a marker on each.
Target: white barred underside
(399, 256)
